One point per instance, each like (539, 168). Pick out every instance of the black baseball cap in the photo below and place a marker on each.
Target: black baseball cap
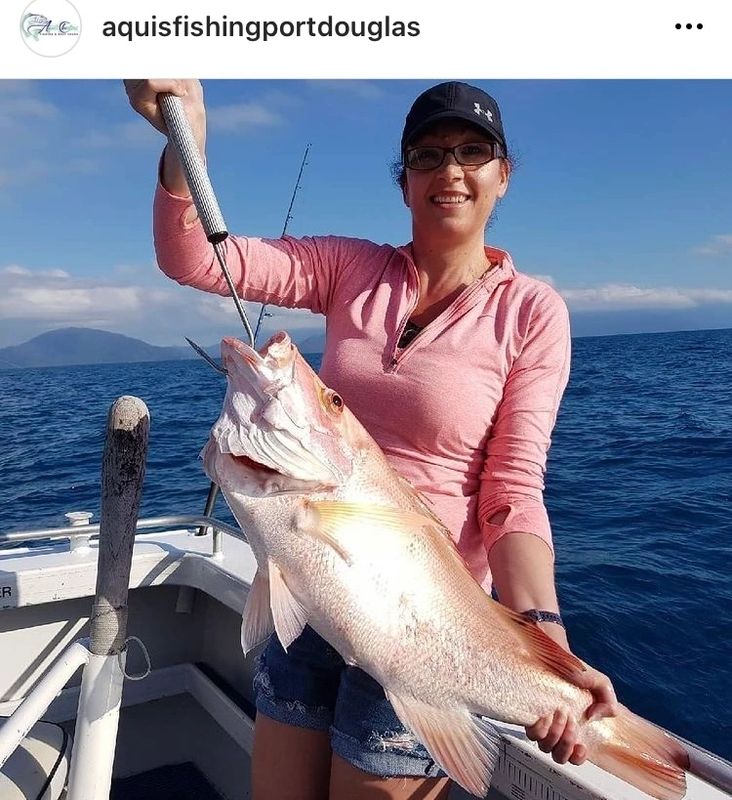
(454, 100)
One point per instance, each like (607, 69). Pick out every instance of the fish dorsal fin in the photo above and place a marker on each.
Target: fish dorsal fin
(545, 649)
(422, 500)
(464, 746)
(287, 612)
(257, 623)
(442, 533)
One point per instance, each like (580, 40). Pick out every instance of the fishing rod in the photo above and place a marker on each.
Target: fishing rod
(262, 312)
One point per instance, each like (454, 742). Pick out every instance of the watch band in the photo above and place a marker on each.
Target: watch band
(537, 615)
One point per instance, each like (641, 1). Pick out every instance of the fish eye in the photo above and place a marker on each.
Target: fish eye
(330, 400)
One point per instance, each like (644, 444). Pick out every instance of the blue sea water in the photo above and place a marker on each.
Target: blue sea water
(638, 489)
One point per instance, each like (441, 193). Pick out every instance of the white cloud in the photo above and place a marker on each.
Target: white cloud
(239, 117)
(139, 301)
(137, 133)
(35, 146)
(21, 105)
(159, 311)
(617, 297)
(222, 311)
(545, 278)
(363, 90)
(216, 308)
(17, 270)
(133, 133)
(64, 303)
(53, 296)
(716, 246)
(37, 170)
(20, 172)
(15, 86)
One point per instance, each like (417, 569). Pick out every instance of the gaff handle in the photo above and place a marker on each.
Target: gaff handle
(181, 136)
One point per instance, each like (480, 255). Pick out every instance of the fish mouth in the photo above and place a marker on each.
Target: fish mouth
(280, 453)
(264, 423)
(276, 354)
(252, 478)
(279, 482)
(249, 354)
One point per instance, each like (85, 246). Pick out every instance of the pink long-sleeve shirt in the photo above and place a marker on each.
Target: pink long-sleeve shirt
(464, 412)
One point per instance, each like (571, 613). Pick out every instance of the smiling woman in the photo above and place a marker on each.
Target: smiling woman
(463, 410)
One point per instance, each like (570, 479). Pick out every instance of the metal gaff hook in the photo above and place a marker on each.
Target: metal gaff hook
(181, 136)
(206, 357)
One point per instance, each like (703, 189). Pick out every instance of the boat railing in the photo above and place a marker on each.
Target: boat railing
(80, 535)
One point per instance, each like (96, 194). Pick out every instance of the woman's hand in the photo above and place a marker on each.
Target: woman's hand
(557, 733)
(143, 97)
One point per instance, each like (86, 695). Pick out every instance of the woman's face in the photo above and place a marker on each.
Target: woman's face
(453, 202)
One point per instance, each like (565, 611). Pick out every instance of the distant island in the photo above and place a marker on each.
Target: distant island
(69, 346)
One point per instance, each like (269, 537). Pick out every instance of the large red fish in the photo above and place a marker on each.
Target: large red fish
(347, 546)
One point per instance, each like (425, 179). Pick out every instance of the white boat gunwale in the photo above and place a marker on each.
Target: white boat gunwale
(184, 558)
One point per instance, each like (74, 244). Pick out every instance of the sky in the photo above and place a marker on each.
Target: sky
(621, 199)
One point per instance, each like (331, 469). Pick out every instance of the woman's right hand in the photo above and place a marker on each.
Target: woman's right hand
(143, 97)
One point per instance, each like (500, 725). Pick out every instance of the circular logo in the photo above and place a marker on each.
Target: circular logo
(50, 27)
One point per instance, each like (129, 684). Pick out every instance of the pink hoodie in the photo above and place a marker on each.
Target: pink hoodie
(464, 412)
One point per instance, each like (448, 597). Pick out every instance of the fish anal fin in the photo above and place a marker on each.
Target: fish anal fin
(643, 756)
(289, 616)
(257, 623)
(542, 647)
(464, 746)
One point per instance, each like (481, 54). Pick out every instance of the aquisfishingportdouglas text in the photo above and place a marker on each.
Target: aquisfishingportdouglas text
(261, 30)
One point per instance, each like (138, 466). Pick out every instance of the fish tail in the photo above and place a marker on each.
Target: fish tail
(642, 755)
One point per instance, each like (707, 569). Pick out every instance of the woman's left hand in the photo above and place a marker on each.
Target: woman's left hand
(557, 733)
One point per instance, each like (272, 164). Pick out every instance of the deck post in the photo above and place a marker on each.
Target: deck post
(123, 470)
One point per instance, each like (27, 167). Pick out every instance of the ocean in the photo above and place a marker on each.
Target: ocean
(638, 489)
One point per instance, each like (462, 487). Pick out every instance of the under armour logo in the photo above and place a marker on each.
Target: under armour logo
(481, 111)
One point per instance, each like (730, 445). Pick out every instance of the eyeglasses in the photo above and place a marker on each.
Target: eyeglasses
(470, 154)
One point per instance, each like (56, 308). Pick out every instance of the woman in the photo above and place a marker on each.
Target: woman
(482, 354)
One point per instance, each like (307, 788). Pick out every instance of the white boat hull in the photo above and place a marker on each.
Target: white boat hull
(196, 704)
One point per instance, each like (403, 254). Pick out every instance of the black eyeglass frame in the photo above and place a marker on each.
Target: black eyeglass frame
(496, 152)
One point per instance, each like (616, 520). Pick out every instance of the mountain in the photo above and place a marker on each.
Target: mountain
(67, 346)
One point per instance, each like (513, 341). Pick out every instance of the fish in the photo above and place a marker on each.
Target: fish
(345, 545)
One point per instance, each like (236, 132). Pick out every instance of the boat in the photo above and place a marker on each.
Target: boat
(182, 723)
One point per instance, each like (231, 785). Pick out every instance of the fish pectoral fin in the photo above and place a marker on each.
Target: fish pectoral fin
(289, 616)
(309, 522)
(334, 515)
(257, 623)
(463, 745)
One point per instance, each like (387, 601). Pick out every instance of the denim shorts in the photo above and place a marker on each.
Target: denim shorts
(310, 686)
